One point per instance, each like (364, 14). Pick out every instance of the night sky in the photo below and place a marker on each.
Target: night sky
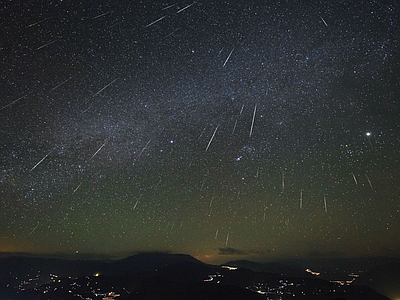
(257, 129)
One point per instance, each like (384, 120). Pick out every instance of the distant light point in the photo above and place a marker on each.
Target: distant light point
(368, 134)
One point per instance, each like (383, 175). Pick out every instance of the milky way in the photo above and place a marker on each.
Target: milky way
(264, 128)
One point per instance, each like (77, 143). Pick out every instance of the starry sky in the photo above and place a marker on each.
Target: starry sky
(257, 129)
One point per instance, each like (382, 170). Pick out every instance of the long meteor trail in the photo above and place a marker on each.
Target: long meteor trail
(56, 87)
(45, 45)
(152, 23)
(33, 230)
(77, 188)
(228, 57)
(252, 122)
(301, 199)
(101, 147)
(186, 7)
(324, 21)
(15, 101)
(209, 143)
(105, 87)
(34, 167)
(354, 177)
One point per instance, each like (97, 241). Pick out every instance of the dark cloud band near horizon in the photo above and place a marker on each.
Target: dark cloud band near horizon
(233, 251)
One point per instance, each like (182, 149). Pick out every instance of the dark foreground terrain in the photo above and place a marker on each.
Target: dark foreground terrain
(166, 276)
